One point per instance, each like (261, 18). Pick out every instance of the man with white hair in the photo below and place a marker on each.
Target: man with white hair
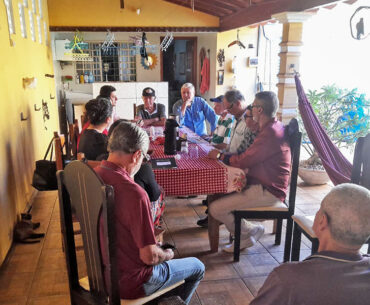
(143, 266)
(193, 111)
(337, 274)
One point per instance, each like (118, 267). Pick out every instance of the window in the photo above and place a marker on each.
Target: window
(22, 19)
(40, 8)
(9, 12)
(32, 25)
(39, 28)
(127, 64)
(118, 63)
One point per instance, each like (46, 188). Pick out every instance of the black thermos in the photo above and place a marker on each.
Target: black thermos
(170, 132)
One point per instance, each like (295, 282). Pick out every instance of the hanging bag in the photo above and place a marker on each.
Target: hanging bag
(44, 177)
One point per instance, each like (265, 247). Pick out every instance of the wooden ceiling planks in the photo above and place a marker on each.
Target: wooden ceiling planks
(238, 13)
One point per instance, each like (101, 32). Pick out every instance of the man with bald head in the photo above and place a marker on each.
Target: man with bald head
(338, 274)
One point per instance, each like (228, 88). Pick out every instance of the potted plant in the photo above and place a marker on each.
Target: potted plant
(345, 115)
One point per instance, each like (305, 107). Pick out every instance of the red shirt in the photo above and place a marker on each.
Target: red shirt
(134, 229)
(268, 160)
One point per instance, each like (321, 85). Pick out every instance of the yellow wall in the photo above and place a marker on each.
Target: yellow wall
(244, 78)
(108, 13)
(21, 142)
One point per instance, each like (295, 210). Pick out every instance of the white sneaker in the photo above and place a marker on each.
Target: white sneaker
(255, 235)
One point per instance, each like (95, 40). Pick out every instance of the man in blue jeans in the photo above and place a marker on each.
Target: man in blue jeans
(143, 267)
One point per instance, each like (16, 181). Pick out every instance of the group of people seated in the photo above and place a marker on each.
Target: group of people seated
(244, 136)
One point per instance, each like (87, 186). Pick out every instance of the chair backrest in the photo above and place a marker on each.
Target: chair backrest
(58, 151)
(91, 163)
(294, 136)
(83, 192)
(361, 162)
(74, 132)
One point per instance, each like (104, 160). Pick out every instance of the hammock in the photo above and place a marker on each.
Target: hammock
(336, 165)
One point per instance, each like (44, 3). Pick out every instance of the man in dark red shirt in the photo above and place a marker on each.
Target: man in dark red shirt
(267, 166)
(143, 267)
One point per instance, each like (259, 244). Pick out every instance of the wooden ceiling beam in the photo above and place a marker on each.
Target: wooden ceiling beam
(130, 29)
(264, 10)
(204, 9)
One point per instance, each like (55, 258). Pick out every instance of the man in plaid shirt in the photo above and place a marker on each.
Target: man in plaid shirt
(222, 133)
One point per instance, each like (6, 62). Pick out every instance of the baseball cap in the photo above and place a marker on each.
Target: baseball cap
(217, 99)
(148, 92)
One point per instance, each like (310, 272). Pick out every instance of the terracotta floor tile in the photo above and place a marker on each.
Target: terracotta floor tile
(53, 240)
(218, 267)
(254, 283)
(52, 259)
(14, 285)
(14, 301)
(51, 300)
(225, 292)
(279, 256)
(48, 283)
(255, 265)
(20, 263)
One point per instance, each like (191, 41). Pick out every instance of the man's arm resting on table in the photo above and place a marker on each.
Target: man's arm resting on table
(155, 122)
(154, 255)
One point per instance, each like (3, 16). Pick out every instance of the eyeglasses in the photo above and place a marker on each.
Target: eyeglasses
(146, 157)
(229, 108)
(248, 116)
(254, 106)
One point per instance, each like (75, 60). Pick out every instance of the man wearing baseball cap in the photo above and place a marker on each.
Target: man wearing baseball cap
(222, 133)
(150, 113)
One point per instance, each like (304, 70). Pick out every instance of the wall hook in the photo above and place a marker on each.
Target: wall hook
(23, 118)
(52, 97)
(35, 107)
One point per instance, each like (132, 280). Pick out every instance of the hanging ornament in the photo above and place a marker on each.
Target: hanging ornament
(166, 41)
(150, 63)
(192, 5)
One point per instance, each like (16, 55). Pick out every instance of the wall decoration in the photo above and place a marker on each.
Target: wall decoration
(221, 57)
(108, 44)
(166, 41)
(150, 63)
(220, 77)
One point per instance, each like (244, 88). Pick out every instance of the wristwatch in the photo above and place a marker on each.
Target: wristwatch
(219, 155)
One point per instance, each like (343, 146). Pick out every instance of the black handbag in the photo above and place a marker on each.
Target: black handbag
(44, 177)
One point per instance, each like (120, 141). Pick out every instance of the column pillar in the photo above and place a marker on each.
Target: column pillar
(289, 61)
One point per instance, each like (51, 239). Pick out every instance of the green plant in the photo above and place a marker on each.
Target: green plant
(345, 115)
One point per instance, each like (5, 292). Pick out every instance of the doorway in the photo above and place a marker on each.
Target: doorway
(179, 66)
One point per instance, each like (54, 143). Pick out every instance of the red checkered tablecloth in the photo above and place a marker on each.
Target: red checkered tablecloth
(195, 175)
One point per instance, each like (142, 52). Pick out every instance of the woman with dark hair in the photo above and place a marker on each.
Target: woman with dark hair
(93, 142)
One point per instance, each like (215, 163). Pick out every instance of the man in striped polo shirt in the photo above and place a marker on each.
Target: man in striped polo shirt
(222, 133)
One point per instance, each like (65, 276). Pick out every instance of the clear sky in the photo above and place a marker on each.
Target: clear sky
(330, 55)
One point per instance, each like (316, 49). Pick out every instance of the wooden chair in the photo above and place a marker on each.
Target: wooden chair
(360, 175)
(286, 209)
(82, 191)
(74, 132)
(58, 151)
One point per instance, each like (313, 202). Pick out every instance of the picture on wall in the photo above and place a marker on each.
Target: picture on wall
(220, 77)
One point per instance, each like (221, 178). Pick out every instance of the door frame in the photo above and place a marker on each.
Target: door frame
(195, 58)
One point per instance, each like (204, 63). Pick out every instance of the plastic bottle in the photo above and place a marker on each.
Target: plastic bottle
(82, 78)
(86, 78)
(91, 77)
(77, 79)
(184, 147)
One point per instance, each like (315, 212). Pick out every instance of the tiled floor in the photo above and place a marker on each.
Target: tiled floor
(35, 274)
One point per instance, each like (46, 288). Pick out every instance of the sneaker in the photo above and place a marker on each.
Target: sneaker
(203, 222)
(259, 230)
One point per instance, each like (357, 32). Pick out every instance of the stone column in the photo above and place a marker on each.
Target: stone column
(289, 61)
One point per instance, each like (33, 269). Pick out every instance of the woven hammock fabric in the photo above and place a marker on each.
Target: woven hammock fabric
(336, 165)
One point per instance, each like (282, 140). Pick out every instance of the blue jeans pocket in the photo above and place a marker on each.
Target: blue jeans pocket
(157, 280)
